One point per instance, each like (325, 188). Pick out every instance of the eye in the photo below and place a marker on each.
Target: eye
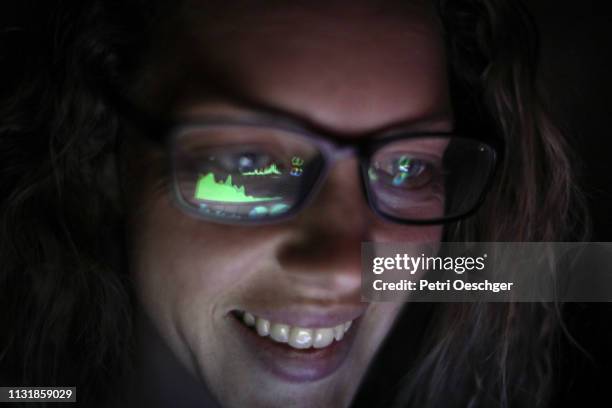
(403, 171)
(407, 171)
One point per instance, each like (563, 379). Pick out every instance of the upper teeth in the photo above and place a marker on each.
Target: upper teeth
(297, 337)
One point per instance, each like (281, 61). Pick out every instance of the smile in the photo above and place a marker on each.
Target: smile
(294, 336)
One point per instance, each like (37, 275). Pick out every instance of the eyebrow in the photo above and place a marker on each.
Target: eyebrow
(251, 108)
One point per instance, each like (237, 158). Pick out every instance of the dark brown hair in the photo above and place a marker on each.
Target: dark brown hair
(500, 354)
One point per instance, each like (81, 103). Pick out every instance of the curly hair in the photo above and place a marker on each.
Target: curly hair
(65, 290)
(508, 347)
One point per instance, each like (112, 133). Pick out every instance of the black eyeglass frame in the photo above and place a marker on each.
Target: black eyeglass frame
(332, 147)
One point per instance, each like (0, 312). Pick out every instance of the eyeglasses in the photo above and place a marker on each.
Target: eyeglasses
(261, 171)
(252, 172)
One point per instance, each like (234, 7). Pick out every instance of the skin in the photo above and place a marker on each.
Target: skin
(349, 70)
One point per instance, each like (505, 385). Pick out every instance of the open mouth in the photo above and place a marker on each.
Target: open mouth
(294, 336)
(310, 349)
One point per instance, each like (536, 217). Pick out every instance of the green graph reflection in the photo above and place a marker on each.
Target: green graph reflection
(270, 170)
(207, 188)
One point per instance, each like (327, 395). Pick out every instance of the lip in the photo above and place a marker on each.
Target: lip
(292, 365)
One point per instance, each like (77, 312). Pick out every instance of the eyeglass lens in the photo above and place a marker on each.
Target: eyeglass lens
(251, 173)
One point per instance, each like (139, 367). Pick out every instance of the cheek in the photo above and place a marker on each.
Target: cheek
(178, 260)
(378, 321)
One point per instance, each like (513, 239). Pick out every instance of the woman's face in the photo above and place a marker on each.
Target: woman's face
(346, 68)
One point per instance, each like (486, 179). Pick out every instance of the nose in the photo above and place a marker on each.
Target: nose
(323, 255)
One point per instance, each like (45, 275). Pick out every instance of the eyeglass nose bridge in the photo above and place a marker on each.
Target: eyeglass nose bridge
(332, 154)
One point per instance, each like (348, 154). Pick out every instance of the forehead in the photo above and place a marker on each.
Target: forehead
(347, 66)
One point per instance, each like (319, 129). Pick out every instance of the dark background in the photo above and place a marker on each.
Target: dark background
(576, 69)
